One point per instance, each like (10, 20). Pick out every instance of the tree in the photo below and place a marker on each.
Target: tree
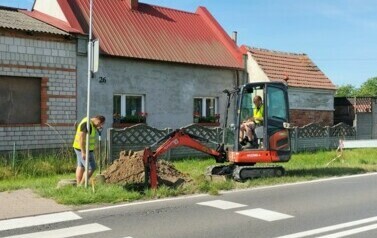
(346, 91)
(368, 88)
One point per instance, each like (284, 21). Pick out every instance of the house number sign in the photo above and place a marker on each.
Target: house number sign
(102, 80)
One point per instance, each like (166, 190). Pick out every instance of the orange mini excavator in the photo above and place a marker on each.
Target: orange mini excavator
(238, 154)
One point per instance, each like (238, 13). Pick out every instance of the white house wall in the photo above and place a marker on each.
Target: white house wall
(256, 74)
(50, 7)
(169, 88)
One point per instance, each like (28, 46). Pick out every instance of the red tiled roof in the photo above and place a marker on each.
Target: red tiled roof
(156, 33)
(362, 104)
(298, 68)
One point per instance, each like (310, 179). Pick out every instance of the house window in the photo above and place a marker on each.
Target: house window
(20, 100)
(205, 109)
(129, 108)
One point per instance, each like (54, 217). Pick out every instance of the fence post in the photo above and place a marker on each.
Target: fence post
(106, 159)
(295, 140)
(168, 154)
(218, 133)
(327, 137)
(109, 145)
(14, 155)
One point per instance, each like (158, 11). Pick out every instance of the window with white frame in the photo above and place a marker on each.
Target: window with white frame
(129, 108)
(205, 109)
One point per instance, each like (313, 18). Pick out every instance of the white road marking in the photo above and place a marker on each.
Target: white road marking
(226, 192)
(141, 203)
(351, 232)
(37, 220)
(264, 214)
(299, 183)
(221, 204)
(330, 228)
(65, 232)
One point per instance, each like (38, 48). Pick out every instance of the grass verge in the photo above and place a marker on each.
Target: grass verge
(42, 173)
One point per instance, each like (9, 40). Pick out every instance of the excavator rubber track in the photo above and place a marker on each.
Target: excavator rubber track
(242, 173)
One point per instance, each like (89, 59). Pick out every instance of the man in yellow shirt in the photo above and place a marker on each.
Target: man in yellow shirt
(79, 145)
(249, 125)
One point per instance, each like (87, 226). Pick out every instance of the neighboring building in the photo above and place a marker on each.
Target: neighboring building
(360, 112)
(311, 93)
(37, 83)
(166, 63)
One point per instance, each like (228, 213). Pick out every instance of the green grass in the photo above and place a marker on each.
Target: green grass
(301, 167)
(41, 173)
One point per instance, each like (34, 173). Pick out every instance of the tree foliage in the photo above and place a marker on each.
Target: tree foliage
(346, 91)
(367, 89)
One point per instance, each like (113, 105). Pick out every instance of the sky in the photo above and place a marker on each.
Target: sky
(339, 36)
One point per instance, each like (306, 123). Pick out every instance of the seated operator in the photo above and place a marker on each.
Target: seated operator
(249, 125)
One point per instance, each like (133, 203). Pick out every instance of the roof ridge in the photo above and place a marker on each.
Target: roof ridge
(13, 9)
(169, 8)
(275, 51)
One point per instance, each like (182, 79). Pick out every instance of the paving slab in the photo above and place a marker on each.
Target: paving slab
(25, 202)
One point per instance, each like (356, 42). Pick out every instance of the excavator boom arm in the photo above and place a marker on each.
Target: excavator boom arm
(176, 139)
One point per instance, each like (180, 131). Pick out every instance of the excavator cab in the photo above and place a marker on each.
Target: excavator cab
(270, 137)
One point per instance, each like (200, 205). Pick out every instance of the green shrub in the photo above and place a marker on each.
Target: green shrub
(44, 164)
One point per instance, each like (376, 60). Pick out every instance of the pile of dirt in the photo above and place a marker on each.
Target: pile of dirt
(129, 169)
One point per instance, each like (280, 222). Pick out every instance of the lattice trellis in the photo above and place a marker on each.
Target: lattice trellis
(312, 130)
(138, 134)
(211, 134)
(309, 137)
(292, 133)
(342, 130)
(134, 138)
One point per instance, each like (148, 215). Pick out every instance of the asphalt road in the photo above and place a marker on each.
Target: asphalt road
(342, 207)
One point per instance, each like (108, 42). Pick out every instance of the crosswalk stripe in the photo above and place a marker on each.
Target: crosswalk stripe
(350, 232)
(65, 232)
(221, 204)
(264, 214)
(37, 220)
(329, 228)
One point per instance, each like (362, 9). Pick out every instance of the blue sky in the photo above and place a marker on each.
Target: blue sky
(340, 36)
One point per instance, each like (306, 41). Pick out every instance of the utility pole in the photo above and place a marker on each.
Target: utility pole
(90, 61)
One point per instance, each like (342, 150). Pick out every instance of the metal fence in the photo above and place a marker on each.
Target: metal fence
(307, 138)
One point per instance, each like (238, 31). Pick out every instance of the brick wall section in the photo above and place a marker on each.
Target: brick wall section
(44, 100)
(54, 61)
(299, 117)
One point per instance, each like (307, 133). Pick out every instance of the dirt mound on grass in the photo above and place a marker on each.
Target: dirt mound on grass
(129, 169)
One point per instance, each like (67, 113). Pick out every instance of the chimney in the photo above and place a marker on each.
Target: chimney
(234, 37)
(133, 4)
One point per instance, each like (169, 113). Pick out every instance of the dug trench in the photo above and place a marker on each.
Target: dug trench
(128, 171)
